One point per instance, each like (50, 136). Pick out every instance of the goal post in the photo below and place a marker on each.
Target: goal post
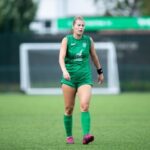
(40, 72)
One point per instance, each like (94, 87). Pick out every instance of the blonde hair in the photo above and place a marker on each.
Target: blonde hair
(77, 18)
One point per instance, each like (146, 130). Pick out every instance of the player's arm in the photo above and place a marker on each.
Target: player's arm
(96, 62)
(62, 55)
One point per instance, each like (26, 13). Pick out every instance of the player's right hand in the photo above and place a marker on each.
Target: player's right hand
(66, 75)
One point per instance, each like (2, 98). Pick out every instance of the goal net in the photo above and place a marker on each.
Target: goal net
(40, 72)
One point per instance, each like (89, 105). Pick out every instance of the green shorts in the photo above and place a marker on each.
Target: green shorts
(77, 82)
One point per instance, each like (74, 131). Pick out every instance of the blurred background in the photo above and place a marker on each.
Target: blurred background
(126, 23)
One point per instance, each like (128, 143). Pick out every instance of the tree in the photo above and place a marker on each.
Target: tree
(145, 8)
(16, 15)
(119, 7)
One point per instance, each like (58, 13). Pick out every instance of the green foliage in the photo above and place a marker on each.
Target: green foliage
(16, 15)
(145, 8)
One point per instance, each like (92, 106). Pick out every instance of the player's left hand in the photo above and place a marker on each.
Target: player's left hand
(100, 78)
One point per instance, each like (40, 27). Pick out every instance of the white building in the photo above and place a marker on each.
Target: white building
(50, 10)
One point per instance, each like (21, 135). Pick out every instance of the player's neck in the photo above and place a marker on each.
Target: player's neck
(76, 36)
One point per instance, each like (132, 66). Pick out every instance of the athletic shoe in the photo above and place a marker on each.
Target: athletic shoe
(70, 140)
(87, 139)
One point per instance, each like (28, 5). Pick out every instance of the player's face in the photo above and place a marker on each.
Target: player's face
(78, 27)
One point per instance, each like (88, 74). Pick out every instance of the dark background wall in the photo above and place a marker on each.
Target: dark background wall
(133, 55)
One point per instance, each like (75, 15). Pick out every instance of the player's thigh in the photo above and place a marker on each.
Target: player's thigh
(84, 94)
(69, 94)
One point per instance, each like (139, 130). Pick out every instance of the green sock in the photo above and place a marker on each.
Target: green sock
(68, 125)
(85, 122)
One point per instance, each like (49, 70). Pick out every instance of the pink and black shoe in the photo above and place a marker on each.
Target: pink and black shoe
(87, 139)
(70, 140)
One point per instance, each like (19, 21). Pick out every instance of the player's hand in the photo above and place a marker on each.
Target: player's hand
(100, 78)
(66, 75)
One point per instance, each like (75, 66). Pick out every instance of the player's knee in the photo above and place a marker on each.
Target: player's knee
(84, 107)
(68, 110)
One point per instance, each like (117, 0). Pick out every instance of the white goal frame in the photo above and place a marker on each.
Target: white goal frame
(113, 74)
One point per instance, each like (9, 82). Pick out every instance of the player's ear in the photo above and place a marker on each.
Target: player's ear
(72, 28)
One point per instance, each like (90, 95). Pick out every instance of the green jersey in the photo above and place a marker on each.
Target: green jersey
(77, 56)
(77, 61)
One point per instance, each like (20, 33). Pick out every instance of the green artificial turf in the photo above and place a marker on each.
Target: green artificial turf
(118, 122)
